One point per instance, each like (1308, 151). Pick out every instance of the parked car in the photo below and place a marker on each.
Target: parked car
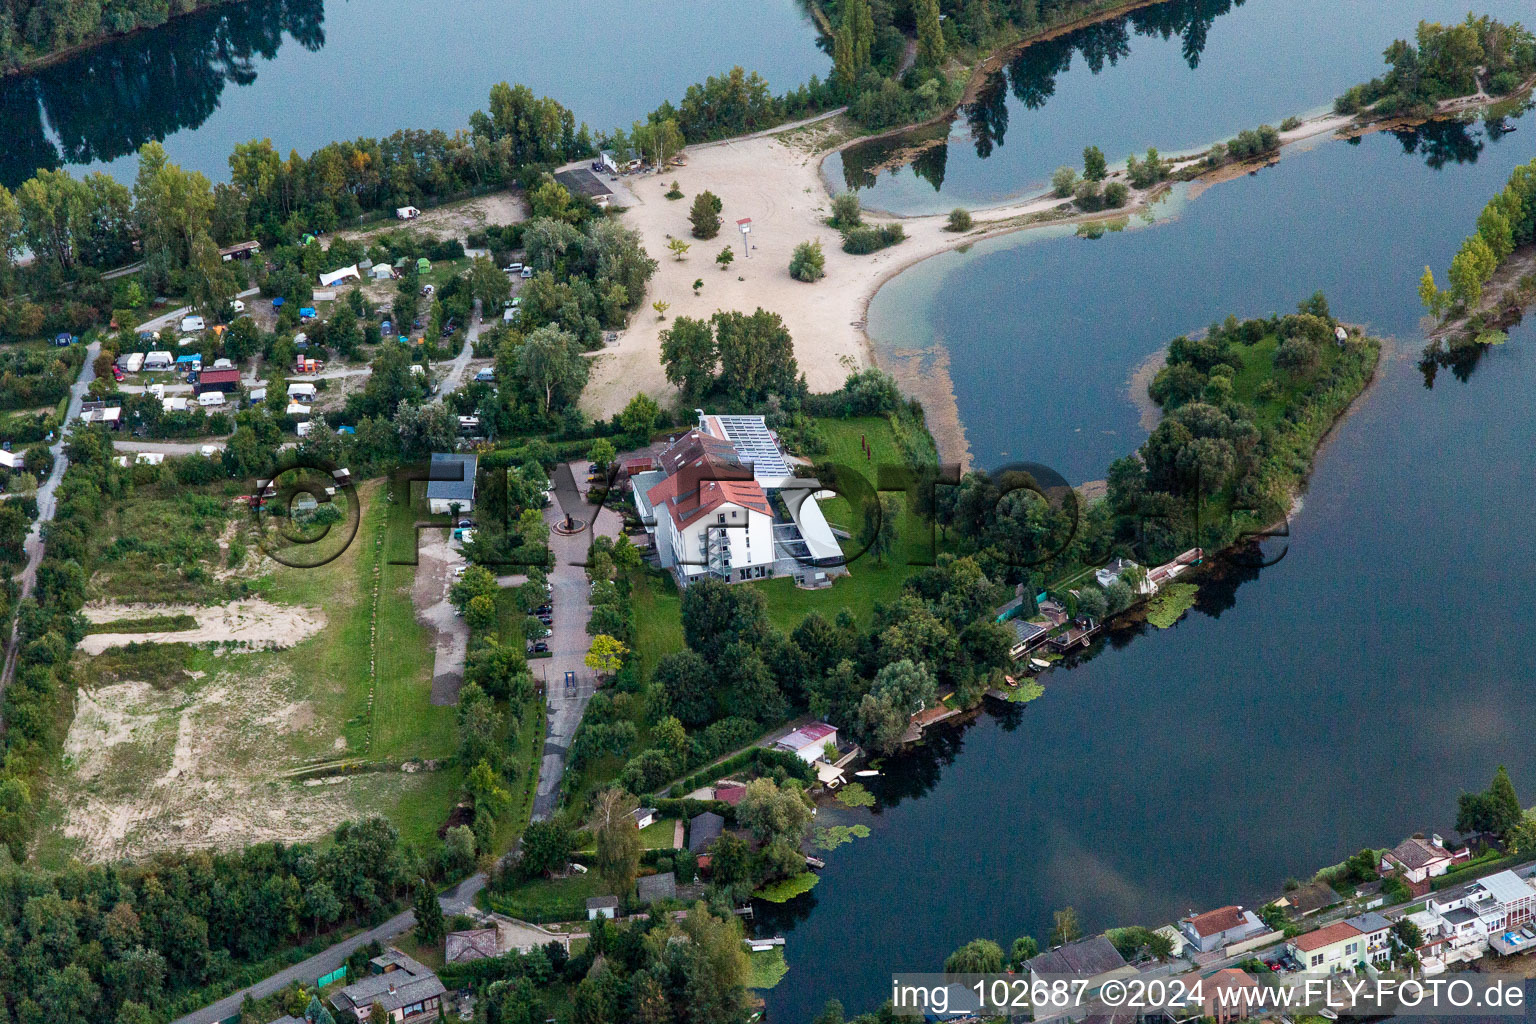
(527, 272)
(513, 268)
(238, 305)
(543, 609)
(117, 374)
(538, 647)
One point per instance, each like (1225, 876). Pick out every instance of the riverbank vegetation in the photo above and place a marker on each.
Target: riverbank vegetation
(1475, 57)
(33, 30)
(1505, 228)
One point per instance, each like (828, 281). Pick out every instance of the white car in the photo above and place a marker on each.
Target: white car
(208, 451)
(238, 305)
(513, 268)
(527, 271)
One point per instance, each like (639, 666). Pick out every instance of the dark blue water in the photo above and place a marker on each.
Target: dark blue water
(1176, 75)
(1340, 698)
(304, 73)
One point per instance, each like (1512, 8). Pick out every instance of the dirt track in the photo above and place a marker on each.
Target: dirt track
(252, 623)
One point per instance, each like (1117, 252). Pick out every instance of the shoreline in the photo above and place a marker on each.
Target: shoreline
(36, 64)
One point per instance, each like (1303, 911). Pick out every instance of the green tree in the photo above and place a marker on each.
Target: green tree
(602, 453)
(1094, 165)
(689, 354)
(429, 914)
(1064, 182)
(546, 847)
(726, 257)
(618, 841)
(704, 215)
(678, 248)
(475, 581)
(882, 518)
(959, 220)
(1065, 927)
(774, 814)
(551, 363)
(930, 33)
(1025, 948)
(1504, 808)
(488, 283)
(606, 656)
(639, 417)
(757, 355)
(808, 263)
(979, 956)
(1430, 294)
(480, 613)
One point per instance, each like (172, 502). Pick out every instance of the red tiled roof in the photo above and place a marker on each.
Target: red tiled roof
(730, 794)
(222, 376)
(1336, 932)
(1219, 920)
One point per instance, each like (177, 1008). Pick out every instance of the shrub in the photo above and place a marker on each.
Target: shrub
(959, 220)
(1116, 194)
(1064, 182)
(808, 262)
(845, 210)
(1290, 124)
(862, 240)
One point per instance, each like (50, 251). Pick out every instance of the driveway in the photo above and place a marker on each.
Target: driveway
(451, 380)
(568, 642)
(436, 558)
(131, 444)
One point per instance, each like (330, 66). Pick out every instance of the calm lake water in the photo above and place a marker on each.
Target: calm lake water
(1176, 75)
(305, 73)
(1339, 698)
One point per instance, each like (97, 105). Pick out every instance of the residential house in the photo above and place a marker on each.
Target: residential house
(1336, 947)
(406, 989)
(652, 888)
(1484, 915)
(809, 743)
(730, 792)
(1377, 933)
(1094, 959)
(1225, 995)
(1219, 928)
(704, 829)
(1115, 569)
(1419, 859)
(475, 944)
(1309, 899)
(451, 483)
(602, 906)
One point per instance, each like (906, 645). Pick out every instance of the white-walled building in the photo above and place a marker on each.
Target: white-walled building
(711, 517)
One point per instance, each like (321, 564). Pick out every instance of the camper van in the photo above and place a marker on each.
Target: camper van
(158, 361)
(133, 362)
(192, 324)
(208, 398)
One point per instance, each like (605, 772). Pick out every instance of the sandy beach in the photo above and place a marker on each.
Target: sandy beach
(775, 181)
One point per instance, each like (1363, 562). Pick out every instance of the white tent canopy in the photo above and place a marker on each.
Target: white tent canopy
(326, 280)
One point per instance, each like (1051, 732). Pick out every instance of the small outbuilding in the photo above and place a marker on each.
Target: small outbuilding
(225, 379)
(602, 906)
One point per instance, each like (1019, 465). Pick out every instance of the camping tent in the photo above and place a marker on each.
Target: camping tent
(382, 272)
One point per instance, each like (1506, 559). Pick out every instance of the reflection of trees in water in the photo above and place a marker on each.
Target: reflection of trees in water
(113, 98)
(1031, 78)
(1442, 142)
(777, 918)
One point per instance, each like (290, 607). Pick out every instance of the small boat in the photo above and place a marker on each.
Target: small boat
(1503, 129)
(1039, 664)
(867, 773)
(815, 862)
(1327, 1014)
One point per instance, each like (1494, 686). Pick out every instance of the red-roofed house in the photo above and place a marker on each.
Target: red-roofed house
(712, 517)
(1337, 947)
(1224, 926)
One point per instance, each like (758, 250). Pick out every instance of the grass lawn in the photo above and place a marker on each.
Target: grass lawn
(869, 581)
(658, 619)
(549, 899)
(658, 835)
(526, 736)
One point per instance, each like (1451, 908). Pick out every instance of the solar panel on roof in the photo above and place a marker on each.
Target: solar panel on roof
(753, 441)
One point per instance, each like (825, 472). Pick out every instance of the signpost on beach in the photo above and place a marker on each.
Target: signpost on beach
(745, 224)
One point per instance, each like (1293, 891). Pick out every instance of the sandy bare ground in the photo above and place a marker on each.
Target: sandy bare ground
(149, 768)
(436, 558)
(252, 623)
(456, 220)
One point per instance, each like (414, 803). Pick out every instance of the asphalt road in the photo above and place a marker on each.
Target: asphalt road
(455, 901)
(47, 502)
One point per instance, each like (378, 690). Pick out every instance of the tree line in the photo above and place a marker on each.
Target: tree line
(1445, 62)
(32, 29)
